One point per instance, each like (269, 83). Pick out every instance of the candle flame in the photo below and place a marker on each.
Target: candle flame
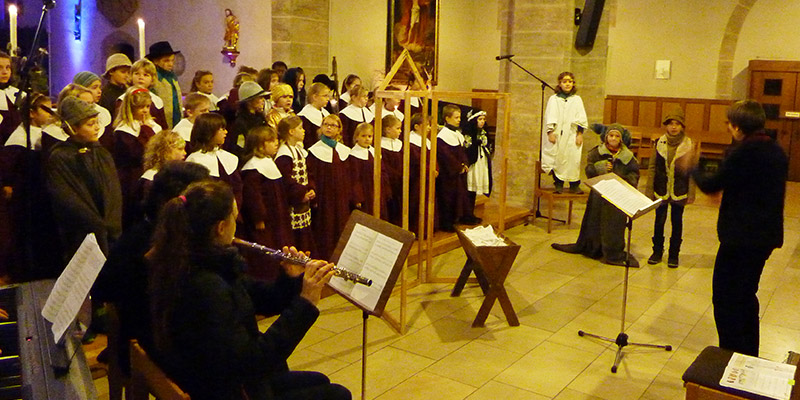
(140, 22)
(12, 9)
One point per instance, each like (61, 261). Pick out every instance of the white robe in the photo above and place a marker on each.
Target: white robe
(563, 117)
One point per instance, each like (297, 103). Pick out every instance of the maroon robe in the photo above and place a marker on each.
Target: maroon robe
(222, 166)
(362, 166)
(138, 193)
(351, 116)
(451, 189)
(156, 110)
(129, 144)
(291, 161)
(328, 169)
(415, 163)
(228, 105)
(392, 163)
(312, 122)
(9, 113)
(265, 199)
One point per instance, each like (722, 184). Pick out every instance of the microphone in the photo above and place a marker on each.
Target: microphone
(505, 57)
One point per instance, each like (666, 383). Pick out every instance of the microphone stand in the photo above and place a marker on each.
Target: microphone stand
(22, 103)
(541, 110)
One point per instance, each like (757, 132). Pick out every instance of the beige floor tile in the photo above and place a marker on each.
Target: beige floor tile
(440, 338)
(547, 369)
(493, 390)
(518, 339)
(308, 360)
(668, 385)
(639, 300)
(538, 282)
(474, 364)
(347, 346)
(697, 280)
(657, 277)
(590, 322)
(634, 375)
(654, 330)
(570, 394)
(386, 369)
(339, 318)
(428, 386)
(776, 341)
(680, 306)
(553, 311)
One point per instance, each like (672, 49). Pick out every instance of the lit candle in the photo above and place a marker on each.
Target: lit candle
(12, 12)
(141, 38)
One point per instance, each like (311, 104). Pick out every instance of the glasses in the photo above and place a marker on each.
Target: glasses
(329, 125)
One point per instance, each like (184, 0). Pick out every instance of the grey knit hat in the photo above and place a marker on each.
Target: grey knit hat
(676, 114)
(251, 90)
(74, 110)
(85, 78)
(116, 60)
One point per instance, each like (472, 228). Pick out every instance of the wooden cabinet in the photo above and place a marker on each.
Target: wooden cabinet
(776, 85)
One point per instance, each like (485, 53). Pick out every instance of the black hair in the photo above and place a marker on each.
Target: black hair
(169, 182)
(748, 116)
(290, 78)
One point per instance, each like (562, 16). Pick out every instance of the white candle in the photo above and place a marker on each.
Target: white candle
(12, 12)
(141, 38)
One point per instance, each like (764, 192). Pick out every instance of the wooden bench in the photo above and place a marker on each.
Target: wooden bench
(147, 378)
(712, 143)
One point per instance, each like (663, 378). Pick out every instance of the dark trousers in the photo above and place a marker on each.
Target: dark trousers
(677, 226)
(307, 385)
(559, 183)
(737, 271)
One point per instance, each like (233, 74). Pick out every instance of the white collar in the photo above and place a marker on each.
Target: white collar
(284, 150)
(451, 137)
(325, 153)
(362, 153)
(397, 113)
(356, 114)
(184, 129)
(209, 160)
(8, 96)
(56, 132)
(136, 128)
(103, 118)
(416, 140)
(391, 144)
(345, 97)
(313, 115)
(19, 138)
(414, 102)
(265, 166)
(154, 97)
(150, 174)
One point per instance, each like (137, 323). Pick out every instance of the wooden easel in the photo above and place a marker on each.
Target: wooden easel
(427, 173)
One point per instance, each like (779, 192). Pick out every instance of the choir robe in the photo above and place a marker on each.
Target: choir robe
(362, 165)
(109, 96)
(212, 98)
(10, 117)
(392, 163)
(397, 112)
(351, 116)
(157, 112)
(312, 122)
(451, 189)
(266, 198)
(106, 134)
(416, 105)
(52, 134)
(184, 130)
(344, 101)
(228, 105)
(414, 164)
(328, 169)
(222, 165)
(237, 133)
(129, 144)
(291, 161)
(139, 192)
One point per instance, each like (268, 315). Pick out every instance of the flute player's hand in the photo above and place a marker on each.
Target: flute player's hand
(318, 273)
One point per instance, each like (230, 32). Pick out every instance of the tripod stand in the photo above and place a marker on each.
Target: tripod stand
(622, 338)
(541, 112)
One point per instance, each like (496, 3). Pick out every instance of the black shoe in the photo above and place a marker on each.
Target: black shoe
(471, 220)
(656, 257)
(672, 261)
(634, 263)
(576, 190)
(558, 190)
(571, 248)
(102, 357)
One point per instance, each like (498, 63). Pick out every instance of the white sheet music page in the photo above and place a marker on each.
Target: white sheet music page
(73, 285)
(757, 375)
(370, 254)
(628, 201)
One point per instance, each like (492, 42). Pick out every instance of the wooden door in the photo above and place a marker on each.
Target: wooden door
(779, 94)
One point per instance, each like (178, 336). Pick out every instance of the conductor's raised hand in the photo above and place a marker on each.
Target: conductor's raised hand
(318, 274)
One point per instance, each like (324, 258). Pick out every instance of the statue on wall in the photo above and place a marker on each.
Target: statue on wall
(231, 31)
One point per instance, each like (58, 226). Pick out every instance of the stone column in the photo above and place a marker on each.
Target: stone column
(300, 35)
(541, 34)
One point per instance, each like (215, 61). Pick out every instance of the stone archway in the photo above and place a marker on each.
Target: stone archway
(727, 49)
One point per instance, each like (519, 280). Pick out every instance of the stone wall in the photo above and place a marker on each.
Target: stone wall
(300, 35)
(541, 34)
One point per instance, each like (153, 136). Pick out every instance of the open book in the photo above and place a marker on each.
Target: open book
(757, 375)
(622, 195)
(376, 250)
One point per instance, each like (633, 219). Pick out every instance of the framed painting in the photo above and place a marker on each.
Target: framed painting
(414, 25)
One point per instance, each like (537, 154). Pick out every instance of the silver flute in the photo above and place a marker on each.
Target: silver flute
(302, 259)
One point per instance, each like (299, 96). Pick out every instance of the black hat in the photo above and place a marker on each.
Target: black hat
(160, 49)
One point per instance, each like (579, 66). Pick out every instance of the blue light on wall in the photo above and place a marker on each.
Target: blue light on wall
(77, 30)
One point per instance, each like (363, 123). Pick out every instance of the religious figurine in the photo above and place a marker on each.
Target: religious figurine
(231, 31)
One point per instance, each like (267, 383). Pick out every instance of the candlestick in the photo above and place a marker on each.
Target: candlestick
(141, 38)
(12, 12)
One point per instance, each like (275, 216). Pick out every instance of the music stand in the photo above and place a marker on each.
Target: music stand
(634, 204)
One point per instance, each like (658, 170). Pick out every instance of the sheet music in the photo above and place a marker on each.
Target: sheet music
(759, 376)
(372, 255)
(73, 285)
(623, 197)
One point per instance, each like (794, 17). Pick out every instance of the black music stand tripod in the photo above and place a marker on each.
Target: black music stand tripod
(622, 338)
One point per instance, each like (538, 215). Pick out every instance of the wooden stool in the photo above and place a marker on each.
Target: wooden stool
(491, 265)
(147, 378)
(547, 193)
(118, 382)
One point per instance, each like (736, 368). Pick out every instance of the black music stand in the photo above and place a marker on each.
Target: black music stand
(622, 199)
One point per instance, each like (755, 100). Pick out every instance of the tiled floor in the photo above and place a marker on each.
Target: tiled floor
(442, 357)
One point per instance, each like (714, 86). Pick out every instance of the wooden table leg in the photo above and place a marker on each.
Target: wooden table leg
(470, 266)
(508, 309)
(486, 307)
